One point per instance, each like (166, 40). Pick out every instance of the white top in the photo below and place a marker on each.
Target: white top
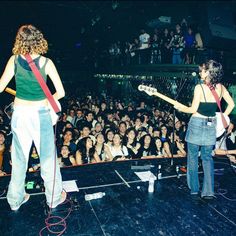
(144, 39)
(120, 152)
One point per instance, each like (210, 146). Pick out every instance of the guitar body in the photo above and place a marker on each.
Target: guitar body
(53, 114)
(220, 129)
(152, 91)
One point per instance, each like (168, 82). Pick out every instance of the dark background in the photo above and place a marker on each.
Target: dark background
(75, 29)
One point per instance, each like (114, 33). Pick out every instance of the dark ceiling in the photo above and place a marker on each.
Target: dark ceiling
(66, 24)
(71, 21)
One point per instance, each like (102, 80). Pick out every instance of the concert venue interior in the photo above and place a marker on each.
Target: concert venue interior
(121, 67)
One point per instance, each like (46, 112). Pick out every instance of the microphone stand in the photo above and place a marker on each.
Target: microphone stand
(173, 139)
(173, 127)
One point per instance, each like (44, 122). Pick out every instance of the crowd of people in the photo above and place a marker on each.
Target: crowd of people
(92, 131)
(168, 46)
(103, 131)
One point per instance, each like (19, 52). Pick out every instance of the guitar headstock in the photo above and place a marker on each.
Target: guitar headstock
(147, 89)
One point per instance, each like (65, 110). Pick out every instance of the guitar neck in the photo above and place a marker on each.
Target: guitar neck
(167, 99)
(11, 91)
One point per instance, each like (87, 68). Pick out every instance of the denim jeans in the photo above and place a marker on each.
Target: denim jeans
(176, 56)
(201, 131)
(33, 124)
(200, 136)
(208, 169)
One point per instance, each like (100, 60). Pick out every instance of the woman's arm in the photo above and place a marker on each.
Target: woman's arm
(148, 157)
(107, 151)
(224, 152)
(72, 160)
(229, 153)
(60, 161)
(166, 148)
(51, 71)
(164, 153)
(2, 173)
(136, 148)
(229, 101)
(170, 44)
(7, 74)
(78, 158)
(195, 102)
(182, 152)
(95, 158)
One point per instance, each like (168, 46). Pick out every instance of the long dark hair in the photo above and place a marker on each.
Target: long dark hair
(125, 139)
(151, 145)
(81, 147)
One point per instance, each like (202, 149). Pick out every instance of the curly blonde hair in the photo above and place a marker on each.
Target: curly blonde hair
(29, 40)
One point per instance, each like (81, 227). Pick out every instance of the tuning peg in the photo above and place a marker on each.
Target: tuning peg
(140, 87)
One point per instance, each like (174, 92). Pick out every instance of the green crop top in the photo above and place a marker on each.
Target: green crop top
(27, 86)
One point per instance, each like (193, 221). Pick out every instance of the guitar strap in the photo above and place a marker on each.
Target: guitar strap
(210, 86)
(42, 83)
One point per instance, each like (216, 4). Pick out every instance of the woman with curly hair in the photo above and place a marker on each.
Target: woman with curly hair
(31, 120)
(201, 132)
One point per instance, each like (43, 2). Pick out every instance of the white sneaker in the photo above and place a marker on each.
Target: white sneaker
(26, 198)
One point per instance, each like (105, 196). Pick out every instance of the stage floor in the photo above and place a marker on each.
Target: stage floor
(128, 208)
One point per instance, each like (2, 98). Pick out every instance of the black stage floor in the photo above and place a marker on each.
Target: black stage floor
(128, 208)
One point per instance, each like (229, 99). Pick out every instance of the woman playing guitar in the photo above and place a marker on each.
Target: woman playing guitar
(201, 132)
(31, 120)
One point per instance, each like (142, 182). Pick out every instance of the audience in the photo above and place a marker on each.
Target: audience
(34, 162)
(182, 45)
(66, 158)
(107, 129)
(86, 152)
(2, 147)
(103, 149)
(147, 148)
(118, 150)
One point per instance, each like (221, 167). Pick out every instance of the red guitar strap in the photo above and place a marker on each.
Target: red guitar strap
(210, 86)
(42, 83)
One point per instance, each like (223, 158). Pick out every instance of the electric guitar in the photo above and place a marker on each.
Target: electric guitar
(53, 114)
(152, 91)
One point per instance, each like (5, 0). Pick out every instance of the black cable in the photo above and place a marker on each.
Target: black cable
(3, 192)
